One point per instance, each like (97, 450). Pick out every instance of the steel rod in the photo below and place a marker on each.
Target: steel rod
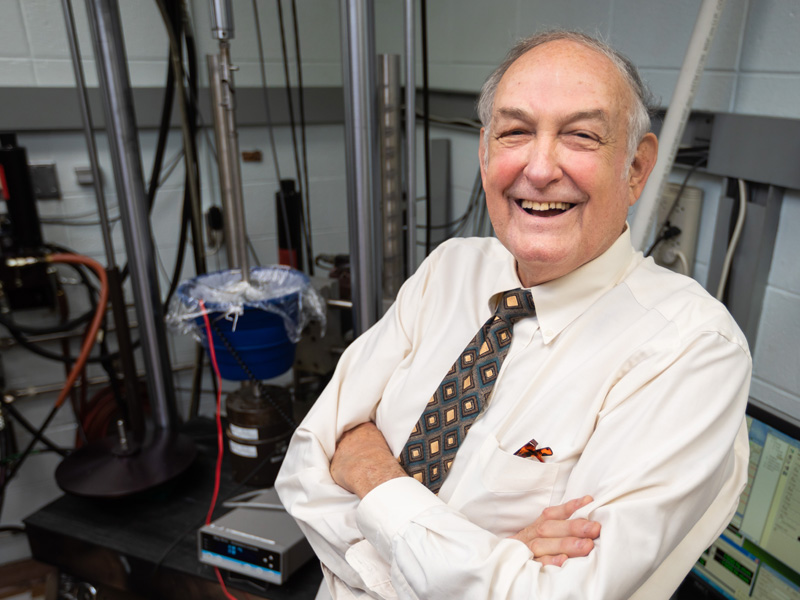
(409, 23)
(220, 77)
(361, 140)
(126, 160)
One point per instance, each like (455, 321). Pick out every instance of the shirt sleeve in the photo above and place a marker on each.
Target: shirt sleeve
(665, 465)
(324, 511)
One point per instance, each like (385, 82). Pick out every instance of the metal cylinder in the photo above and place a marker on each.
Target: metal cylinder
(361, 145)
(258, 432)
(391, 152)
(221, 19)
(220, 76)
(123, 143)
(134, 409)
(411, 137)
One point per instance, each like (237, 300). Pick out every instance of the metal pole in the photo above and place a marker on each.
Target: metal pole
(123, 144)
(134, 409)
(220, 77)
(676, 117)
(83, 99)
(391, 174)
(409, 23)
(358, 52)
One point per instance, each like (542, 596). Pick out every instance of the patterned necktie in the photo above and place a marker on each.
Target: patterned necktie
(463, 394)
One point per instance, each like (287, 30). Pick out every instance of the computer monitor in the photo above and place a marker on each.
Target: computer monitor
(758, 556)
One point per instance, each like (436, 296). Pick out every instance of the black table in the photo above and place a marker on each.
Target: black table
(145, 546)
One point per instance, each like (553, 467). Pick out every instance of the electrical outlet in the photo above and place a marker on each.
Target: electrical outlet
(678, 253)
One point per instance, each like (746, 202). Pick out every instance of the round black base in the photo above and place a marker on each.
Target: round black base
(97, 471)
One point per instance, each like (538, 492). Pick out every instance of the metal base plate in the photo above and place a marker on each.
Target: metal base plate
(96, 471)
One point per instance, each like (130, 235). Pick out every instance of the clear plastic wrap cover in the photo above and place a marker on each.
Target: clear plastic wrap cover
(275, 289)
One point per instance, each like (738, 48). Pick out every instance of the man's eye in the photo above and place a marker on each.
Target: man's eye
(585, 136)
(512, 133)
(583, 140)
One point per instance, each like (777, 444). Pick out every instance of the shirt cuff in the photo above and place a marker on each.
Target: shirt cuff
(388, 508)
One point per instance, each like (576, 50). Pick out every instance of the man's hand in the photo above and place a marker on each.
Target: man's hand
(363, 461)
(554, 537)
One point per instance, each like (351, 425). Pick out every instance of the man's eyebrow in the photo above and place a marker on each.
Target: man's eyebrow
(513, 113)
(597, 114)
(588, 115)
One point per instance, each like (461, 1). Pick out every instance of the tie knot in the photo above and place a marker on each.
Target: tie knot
(515, 305)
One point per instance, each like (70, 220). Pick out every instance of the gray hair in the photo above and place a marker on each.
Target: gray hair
(643, 104)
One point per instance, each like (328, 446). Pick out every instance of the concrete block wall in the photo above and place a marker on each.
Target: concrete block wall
(753, 68)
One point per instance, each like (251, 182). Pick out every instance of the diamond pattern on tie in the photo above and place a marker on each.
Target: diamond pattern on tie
(463, 394)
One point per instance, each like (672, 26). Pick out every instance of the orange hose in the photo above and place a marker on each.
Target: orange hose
(91, 333)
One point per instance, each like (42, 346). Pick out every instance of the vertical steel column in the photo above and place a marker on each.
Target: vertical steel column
(391, 154)
(411, 137)
(123, 144)
(361, 142)
(116, 296)
(220, 78)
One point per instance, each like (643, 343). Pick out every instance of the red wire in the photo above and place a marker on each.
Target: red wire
(94, 326)
(218, 469)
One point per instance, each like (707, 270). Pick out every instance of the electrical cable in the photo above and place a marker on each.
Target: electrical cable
(163, 133)
(669, 232)
(292, 127)
(737, 232)
(270, 131)
(220, 441)
(10, 324)
(684, 263)
(663, 227)
(289, 99)
(460, 224)
(89, 341)
(672, 254)
(38, 434)
(178, 26)
(426, 122)
(94, 327)
(284, 221)
(187, 126)
(301, 103)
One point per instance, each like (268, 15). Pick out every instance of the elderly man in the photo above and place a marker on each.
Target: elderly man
(612, 391)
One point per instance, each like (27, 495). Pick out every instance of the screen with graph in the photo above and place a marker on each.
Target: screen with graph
(758, 555)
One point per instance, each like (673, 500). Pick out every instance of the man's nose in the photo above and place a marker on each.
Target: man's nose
(543, 167)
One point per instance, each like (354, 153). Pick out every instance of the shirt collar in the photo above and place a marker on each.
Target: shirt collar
(561, 301)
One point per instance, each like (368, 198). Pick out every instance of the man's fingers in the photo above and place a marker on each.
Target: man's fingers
(568, 547)
(579, 528)
(553, 560)
(566, 510)
(554, 536)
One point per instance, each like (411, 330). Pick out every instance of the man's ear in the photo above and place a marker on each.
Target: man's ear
(482, 150)
(643, 162)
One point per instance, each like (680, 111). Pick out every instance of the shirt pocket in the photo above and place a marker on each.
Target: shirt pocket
(509, 492)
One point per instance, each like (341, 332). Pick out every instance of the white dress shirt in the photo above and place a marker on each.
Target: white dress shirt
(634, 376)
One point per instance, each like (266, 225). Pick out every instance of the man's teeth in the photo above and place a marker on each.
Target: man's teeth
(527, 204)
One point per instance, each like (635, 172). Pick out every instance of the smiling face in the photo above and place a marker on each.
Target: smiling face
(555, 164)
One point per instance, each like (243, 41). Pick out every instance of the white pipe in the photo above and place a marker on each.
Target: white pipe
(676, 117)
(737, 232)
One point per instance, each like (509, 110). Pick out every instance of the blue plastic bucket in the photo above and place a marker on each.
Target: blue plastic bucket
(259, 340)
